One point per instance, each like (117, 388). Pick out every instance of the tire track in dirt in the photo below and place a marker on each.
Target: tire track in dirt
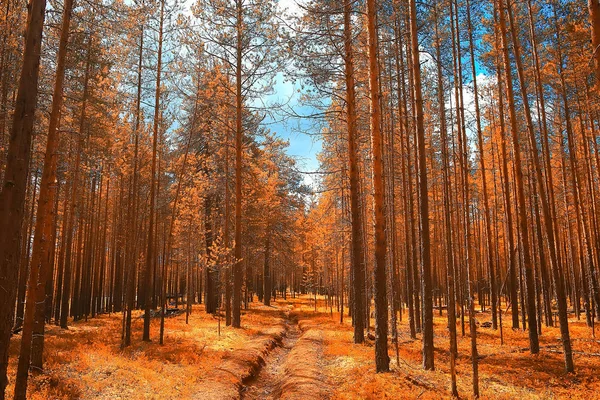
(292, 371)
(266, 385)
(226, 380)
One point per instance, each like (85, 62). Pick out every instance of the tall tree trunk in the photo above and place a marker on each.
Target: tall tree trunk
(510, 241)
(449, 247)
(237, 269)
(410, 255)
(42, 261)
(150, 256)
(12, 197)
(522, 207)
(267, 270)
(548, 220)
(358, 254)
(482, 166)
(76, 191)
(382, 359)
(428, 357)
(131, 256)
(594, 9)
(464, 164)
(61, 257)
(26, 250)
(413, 162)
(48, 308)
(226, 233)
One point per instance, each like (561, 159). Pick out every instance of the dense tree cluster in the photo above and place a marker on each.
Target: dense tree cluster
(487, 113)
(119, 188)
(460, 167)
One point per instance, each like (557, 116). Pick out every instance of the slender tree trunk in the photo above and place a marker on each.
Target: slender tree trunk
(464, 163)
(382, 359)
(510, 242)
(48, 307)
(150, 256)
(61, 258)
(594, 9)
(451, 303)
(131, 256)
(555, 266)
(358, 255)
(167, 256)
(211, 294)
(237, 269)
(522, 207)
(226, 233)
(26, 251)
(406, 182)
(413, 162)
(482, 166)
(428, 357)
(76, 199)
(267, 270)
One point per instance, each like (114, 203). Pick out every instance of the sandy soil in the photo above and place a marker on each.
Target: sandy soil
(291, 351)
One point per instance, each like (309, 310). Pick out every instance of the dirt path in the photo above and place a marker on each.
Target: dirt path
(285, 362)
(267, 384)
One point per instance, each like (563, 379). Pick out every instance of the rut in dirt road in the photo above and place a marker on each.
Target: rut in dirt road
(266, 384)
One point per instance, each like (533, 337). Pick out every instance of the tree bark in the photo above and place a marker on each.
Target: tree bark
(382, 359)
(358, 254)
(42, 261)
(594, 9)
(522, 208)
(428, 357)
(150, 256)
(237, 269)
(450, 273)
(12, 197)
(131, 245)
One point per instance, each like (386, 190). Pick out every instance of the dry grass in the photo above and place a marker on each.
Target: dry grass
(302, 377)
(86, 360)
(506, 371)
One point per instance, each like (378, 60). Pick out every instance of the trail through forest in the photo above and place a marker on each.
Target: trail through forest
(294, 350)
(441, 239)
(267, 383)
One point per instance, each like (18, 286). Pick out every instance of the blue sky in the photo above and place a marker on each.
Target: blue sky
(305, 143)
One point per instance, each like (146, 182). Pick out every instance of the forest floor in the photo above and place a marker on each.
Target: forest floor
(294, 351)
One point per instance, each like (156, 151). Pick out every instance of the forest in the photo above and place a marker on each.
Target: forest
(160, 239)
